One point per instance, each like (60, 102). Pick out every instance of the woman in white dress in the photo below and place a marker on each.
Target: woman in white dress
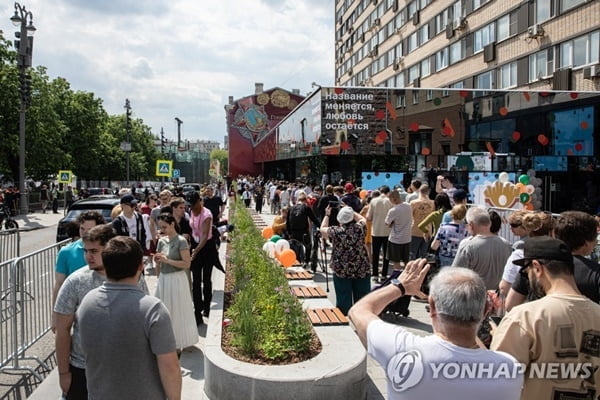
(173, 254)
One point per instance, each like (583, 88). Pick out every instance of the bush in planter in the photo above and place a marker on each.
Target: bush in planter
(267, 319)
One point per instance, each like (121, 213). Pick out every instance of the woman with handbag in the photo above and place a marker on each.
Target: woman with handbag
(449, 236)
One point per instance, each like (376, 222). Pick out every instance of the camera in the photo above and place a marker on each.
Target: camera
(334, 204)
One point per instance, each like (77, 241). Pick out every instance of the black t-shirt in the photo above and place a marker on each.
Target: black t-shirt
(587, 278)
(214, 205)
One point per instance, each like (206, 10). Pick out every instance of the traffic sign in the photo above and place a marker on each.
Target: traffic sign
(65, 176)
(176, 173)
(164, 168)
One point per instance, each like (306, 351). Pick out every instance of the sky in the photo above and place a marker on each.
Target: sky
(181, 58)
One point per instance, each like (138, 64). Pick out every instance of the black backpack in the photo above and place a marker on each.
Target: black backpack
(297, 219)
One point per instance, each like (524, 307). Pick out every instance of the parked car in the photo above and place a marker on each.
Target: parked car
(187, 187)
(101, 203)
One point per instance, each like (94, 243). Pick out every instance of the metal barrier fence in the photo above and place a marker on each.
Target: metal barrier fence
(9, 244)
(26, 306)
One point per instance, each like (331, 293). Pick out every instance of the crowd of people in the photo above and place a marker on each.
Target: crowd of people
(421, 242)
(105, 320)
(543, 288)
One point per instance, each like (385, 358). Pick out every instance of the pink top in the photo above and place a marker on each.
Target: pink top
(196, 222)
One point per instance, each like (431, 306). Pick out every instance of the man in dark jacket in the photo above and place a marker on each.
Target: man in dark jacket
(298, 225)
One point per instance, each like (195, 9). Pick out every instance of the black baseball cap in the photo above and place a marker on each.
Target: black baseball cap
(129, 199)
(545, 248)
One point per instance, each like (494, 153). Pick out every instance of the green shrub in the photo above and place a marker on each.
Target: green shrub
(267, 319)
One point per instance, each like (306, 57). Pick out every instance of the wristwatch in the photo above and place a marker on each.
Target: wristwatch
(399, 285)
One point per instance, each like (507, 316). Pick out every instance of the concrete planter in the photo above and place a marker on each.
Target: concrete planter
(338, 372)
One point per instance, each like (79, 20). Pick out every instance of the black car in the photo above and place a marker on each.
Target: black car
(102, 203)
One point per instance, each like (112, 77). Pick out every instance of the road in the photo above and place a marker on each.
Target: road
(17, 386)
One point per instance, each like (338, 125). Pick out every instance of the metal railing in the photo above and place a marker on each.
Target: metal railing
(10, 243)
(26, 306)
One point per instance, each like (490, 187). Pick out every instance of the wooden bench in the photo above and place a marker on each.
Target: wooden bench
(326, 316)
(309, 292)
(298, 275)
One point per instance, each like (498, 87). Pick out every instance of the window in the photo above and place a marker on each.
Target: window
(542, 10)
(457, 52)
(413, 6)
(401, 100)
(540, 65)
(425, 68)
(484, 81)
(508, 75)
(413, 73)
(424, 34)
(441, 59)
(400, 19)
(504, 27)
(483, 37)
(456, 10)
(580, 51)
(441, 20)
(478, 3)
(568, 4)
(412, 42)
(457, 85)
(429, 95)
(415, 96)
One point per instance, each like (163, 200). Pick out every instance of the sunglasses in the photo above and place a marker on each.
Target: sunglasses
(515, 225)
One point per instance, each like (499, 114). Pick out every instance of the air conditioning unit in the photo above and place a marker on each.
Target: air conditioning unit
(377, 22)
(535, 31)
(349, 71)
(398, 62)
(460, 23)
(592, 72)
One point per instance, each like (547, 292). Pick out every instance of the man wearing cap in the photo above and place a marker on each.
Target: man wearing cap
(130, 222)
(350, 198)
(557, 336)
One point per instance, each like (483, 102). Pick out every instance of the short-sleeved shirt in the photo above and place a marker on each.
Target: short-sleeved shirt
(122, 331)
(411, 363)
(172, 248)
(450, 236)
(349, 257)
(70, 258)
(71, 293)
(400, 218)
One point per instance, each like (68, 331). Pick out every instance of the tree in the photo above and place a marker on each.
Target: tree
(223, 157)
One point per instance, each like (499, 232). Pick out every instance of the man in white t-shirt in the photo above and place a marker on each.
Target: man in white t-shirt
(130, 222)
(448, 363)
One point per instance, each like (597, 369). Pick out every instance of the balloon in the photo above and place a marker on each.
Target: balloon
(524, 198)
(538, 190)
(530, 189)
(537, 204)
(267, 232)
(529, 206)
(275, 238)
(503, 177)
(531, 173)
(287, 258)
(524, 179)
(269, 248)
(363, 193)
(282, 245)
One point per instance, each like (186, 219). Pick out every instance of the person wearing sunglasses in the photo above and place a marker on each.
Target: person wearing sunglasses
(559, 328)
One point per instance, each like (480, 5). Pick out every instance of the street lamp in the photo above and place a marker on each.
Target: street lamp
(127, 145)
(24, 45)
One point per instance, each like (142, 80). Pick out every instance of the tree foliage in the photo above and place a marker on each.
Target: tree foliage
(66, 129)
(223, 157)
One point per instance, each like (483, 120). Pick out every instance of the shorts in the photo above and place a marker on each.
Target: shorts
(398, 252)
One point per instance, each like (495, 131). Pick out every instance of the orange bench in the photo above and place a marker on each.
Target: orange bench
(300, 275)
(309, 292)
(326, 316)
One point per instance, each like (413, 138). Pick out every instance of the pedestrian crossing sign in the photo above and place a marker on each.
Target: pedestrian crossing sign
(65, 176)
(164, 168)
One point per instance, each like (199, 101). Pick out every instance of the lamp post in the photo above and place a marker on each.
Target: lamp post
(24, 45)
(127, 144)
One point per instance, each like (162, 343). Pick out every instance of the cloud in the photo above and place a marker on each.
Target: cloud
(182, 58)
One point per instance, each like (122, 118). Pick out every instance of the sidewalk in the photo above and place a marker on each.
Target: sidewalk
(37, 220)
(192, 359)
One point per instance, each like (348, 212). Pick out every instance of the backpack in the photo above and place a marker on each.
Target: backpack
(297, 219)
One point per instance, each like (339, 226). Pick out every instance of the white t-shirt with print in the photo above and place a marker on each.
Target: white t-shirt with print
(429, 367)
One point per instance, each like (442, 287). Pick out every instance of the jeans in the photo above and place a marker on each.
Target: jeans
(349, 290)
(379, 243)
(202, 266)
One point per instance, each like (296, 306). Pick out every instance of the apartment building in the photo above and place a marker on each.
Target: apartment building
(479, 44)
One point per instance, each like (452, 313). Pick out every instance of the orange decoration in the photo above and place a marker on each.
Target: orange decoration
(287, 258)
(426, 151)
(503, 111)
(584, 125)
(345, 146)
(391, 110)
(516, 135)
(267, 232)
(414, 127)
(363, 193)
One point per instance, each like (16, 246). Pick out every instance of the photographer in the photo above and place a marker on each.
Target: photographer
(457, 303)
(349, 261)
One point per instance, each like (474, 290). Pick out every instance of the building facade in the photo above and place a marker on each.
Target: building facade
(480, 44)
